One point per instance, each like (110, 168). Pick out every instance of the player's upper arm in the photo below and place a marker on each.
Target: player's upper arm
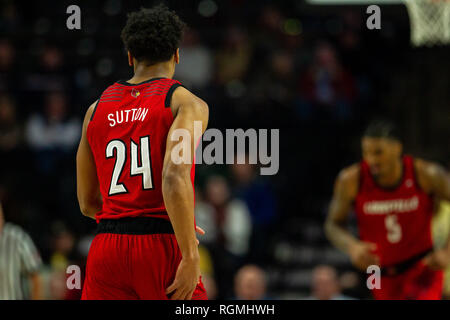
(189, 111)
(87, 181)
(345, 190)
(433, 178)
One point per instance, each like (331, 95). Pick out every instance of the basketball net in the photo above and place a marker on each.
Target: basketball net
(430, 22)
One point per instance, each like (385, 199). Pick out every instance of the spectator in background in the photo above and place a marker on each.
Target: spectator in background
(350, 40)
(19, 263)
(57, 286)
(50, 74)
(204, 217)
(12, 150)
(53, 137)
(325, 284)
(260, 200)
(196, 66)
(54, 134)
(250, 283)
(10, 130)
(7, 55)
(273, 87)
(354, 285)
(233, 57)
(9, 18)
(229, 228)
(7, 67)
(63, 242)
(282, 77)
(327, 89)
(207, 272)
(269, 33)
(231, 219)
(64, 254)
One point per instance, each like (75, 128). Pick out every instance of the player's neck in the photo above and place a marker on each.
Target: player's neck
(143, 72)
(394, 177)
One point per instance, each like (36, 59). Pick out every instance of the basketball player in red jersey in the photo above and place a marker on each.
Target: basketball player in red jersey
(143, 202)
(393, 196)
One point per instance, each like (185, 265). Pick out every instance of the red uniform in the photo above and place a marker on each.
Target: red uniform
(134, 254)
(398, 221)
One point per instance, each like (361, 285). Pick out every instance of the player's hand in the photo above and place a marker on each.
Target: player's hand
(362, 256)
(438, 259)
(200, 231)
(186, 279)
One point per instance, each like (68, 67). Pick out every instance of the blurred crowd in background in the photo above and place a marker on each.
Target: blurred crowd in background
(317, 74)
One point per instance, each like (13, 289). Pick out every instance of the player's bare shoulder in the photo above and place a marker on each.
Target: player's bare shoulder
(184, 97)
(347, 180)
(427, 173)
(89, 113)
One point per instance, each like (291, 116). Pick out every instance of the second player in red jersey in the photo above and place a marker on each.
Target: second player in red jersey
(129, 180)
(396, 219)
(393, 196)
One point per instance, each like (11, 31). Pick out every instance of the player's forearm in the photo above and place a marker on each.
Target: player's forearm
(179, 200)
(90, 207)
(90, 212)
(339, 236)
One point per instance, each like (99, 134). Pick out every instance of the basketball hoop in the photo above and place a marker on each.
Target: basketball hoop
(430, 22)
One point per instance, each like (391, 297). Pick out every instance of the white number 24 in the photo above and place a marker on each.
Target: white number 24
(144, 168)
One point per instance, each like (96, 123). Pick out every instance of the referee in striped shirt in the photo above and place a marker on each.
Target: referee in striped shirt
(19, 263)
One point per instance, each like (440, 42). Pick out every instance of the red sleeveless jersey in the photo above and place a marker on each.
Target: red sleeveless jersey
(127, 134)
(397, 220)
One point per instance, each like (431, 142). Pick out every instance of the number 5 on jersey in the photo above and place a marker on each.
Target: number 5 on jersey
(394, 229)
(144, 168)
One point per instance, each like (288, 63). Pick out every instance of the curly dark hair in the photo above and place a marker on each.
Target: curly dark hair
(383, 128)
(153, 35)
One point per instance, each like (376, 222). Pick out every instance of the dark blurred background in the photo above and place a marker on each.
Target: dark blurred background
(314, 72)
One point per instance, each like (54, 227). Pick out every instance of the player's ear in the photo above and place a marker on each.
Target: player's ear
(130, 59)
(177, 56)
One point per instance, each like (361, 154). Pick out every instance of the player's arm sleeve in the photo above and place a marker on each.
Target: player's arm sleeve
(88, 191)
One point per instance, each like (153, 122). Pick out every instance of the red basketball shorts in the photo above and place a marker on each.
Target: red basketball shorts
(133, 259)
(417, 283)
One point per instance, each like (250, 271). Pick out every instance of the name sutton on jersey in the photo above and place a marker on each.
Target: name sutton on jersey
(128, 115)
